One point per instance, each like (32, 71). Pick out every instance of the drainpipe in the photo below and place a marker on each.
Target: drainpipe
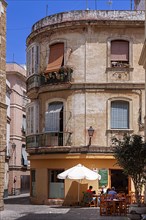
(145, 101)
(145, 83)
(85, 69)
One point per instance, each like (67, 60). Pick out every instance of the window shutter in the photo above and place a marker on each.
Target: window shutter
(24, 156)
(55, 57)
(120, 115)
(36, 58)
(119, 50)
(52, 117)
(28, 120)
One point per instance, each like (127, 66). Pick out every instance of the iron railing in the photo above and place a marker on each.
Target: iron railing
(48, 139)
(37, 80)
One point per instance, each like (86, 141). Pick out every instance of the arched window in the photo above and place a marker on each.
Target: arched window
(119, 114)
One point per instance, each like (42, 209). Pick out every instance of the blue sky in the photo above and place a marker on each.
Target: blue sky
(22, 14)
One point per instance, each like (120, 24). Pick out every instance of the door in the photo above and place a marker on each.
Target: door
(119, 180)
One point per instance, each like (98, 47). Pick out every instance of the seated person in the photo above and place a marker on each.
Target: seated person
(92, 192)
(113, 193)
(103, 190)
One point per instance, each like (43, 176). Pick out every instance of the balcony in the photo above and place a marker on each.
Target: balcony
(48, 139)
(55, 78)
(33, 82)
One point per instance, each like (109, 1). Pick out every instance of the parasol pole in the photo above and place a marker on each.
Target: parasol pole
(78, 193)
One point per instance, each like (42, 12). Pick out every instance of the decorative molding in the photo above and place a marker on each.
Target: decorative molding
(122, 76)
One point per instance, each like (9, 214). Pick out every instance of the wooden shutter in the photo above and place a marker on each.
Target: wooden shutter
(119, 50)
(55, 57)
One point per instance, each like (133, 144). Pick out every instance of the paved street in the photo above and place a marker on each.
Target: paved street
(19, 207)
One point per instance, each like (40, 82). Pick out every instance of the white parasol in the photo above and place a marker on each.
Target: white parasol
(79, 172)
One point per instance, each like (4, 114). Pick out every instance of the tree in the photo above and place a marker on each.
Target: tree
(130, 153)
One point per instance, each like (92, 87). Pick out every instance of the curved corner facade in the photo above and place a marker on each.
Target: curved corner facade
(82, 71)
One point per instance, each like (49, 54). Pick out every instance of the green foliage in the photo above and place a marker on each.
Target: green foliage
(130, 153)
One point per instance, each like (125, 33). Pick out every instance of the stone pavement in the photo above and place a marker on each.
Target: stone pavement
(19, 207)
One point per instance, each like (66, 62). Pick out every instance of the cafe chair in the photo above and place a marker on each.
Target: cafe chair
(87, 199)
(106, 207)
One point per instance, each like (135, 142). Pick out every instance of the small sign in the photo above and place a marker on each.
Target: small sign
(104, 177)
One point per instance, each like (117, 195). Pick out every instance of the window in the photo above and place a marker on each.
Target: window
(23, 124)
(119, 115)
(32, 60)
(24, 99)
(56, 186)
(33, 183)
(119, 53)
(32, 118)
(24, 155)
(54, 117)
(56, 58)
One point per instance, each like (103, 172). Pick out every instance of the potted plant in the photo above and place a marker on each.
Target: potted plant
(130, 153)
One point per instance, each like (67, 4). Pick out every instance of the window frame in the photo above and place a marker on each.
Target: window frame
(56, 41)
(60, 119)
(32, 119)
(33, 59)
(115, 124)
(58, 182)
(109, 43)
(109, 113)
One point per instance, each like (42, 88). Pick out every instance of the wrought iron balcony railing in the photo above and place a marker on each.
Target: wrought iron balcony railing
(36, 80)
(48, 139)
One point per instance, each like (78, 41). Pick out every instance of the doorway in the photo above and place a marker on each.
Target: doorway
(119, 180)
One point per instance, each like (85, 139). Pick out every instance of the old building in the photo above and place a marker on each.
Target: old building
(18, 164)
(3, 106)
(7, 156)
(82, 75)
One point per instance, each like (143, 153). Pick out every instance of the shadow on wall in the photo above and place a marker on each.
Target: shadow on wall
(71, 198)
(25, 200)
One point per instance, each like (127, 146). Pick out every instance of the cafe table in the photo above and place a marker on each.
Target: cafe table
(118, 206)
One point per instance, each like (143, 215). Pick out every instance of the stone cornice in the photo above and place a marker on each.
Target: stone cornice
(34, 93)
(105, 86)
(87, 17)
(70, 150)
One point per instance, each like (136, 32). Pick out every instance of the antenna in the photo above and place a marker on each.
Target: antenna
(95, 4)
(46, 10)
(13, 58)
(131, 5)
(110, 3)
(87, 5)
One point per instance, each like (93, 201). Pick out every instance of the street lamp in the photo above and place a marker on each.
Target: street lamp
(14, 164)
(90, 133)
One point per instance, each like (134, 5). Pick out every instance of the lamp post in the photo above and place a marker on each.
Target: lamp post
(14, 164)
(90, 133)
